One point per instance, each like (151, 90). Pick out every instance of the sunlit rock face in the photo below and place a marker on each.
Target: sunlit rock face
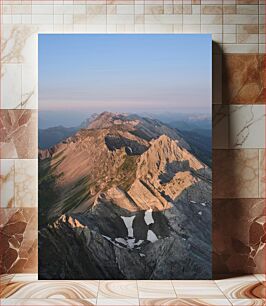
(124, 198)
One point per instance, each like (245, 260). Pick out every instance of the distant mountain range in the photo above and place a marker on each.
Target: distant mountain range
(124, 197)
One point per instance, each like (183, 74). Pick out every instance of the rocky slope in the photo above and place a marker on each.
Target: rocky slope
(124, 198)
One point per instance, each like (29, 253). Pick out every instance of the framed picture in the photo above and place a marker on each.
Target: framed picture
(125, 181)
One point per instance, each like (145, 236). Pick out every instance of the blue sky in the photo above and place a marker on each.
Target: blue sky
(129, 73)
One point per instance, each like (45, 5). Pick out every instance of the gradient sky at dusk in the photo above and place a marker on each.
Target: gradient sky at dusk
(125, 73)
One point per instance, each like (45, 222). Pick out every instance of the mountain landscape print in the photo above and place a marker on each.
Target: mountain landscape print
(125, 180)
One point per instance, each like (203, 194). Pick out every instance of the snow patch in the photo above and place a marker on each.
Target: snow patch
(148, 217)
(128, 223)
(151, 236)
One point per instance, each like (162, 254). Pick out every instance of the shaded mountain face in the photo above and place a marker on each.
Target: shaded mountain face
(124, 198)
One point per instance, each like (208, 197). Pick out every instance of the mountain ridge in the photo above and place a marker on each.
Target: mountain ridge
(123, 184)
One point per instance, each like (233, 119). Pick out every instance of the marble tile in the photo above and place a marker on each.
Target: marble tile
(25, 277)
(239, 237)
(48, 302)
(26, 178)
(262, 173)
(7, 183)
(184, 302)
(197, 289)
(18, 130)
(10, 85)
(245, 287)
(247, 126)
(117, 302)
(118, 290)
(260, 277)
(29, 85)
(243, 79)
(235, 173)
(51, 290)
(5, 279)
(18, 44)
(220, 126)
(155, 289)
(248, 302)
(18, 233)
(240, 49)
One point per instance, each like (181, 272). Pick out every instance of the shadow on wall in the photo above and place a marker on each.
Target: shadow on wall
(239, 216)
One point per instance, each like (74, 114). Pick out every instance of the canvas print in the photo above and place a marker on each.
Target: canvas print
(125, 184)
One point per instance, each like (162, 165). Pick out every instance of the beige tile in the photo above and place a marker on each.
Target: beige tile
(247, 38)
(10, 85)
(7, 183)
(42, 9)
(211, 9)
(153, 9)
(191, 28)
(51, 290)
(120, 19)
(248, 302)
(118, 290)
(195, 9)
(229, 28)
(240, 19)
(25, 277)
(247, 29)
(155, 289)
(187, 9)
(247, 9)
(26, 177)
(229, 9)
(229, 38)
(191, 19)
(209, 28)
(197, 289)
(184, 302)
(48, 302)
(117, 302)
(240, 48)
(247, 126)
(211, 19)
(43, 19)
(163, 19)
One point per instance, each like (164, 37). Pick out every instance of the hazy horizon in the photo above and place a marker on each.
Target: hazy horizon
(81, 74)
(49, 119)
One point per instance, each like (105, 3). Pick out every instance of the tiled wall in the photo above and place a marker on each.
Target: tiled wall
(238, 28)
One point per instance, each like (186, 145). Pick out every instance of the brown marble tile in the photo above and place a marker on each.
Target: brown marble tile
(244, 287)
(247, 1)
(239, 236)
(243, 79)
(51, 289)
(5, 279)
(18, 133)
(18, 235)
(235, 173)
